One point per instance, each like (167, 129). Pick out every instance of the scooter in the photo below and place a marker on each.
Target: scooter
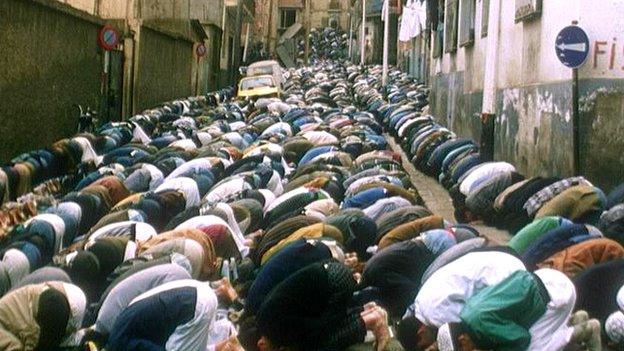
(87, 121)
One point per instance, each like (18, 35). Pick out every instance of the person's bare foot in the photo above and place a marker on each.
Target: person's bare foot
(231, 344)
(225, 291)
(376, 320)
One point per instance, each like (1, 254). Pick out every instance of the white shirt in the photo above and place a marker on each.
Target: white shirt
(483, 173)
(185, 185)
(443, 296)
(551, 332)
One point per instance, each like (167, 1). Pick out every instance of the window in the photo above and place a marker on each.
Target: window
(528, 9)
(288, 17)
(438, 34)
(467, 24)
(334, 5)
(256, 82)
(485, 17)
(450, 26)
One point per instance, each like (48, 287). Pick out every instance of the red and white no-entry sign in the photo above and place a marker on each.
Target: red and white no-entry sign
(200, 50)
(108, 37)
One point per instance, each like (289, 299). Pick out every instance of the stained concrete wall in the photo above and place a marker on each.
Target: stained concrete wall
(49, 60)
(208, 11)
(164, 69)
(533, 98)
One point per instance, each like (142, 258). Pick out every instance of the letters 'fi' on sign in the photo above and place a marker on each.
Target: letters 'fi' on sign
(108, 37)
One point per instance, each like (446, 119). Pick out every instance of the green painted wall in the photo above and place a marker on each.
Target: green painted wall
(165, 68)
(49, 60)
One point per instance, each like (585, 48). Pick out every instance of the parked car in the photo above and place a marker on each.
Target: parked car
(269, 67)
(258, 86)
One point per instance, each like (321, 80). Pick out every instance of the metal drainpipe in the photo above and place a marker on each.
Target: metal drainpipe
(386, 19)
(488, 114)
(363, 35)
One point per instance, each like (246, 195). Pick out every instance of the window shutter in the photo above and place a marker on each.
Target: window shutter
(466, 29)
(450, 26)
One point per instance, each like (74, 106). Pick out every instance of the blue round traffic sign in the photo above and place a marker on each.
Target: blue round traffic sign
(572, 46)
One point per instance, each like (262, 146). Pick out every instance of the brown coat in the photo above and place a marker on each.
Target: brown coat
(313, 231)
(19, 330)
(210, 258)
(116, 188)
(574, 203)
(410, 230)
(577, 258)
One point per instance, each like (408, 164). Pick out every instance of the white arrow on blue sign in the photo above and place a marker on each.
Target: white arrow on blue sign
(572, 46)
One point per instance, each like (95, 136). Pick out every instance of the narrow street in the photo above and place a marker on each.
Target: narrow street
(437, 199)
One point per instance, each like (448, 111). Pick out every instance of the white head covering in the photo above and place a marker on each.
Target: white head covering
(157, 176)
(204, 138)
(139, 135)
(234, 229)
(57, 224)
(614, 326)
(186, 185)
(269, 198)
(194, 250)
(185, 144)
(77, 305)
(551, 331)
(88, 153)
(16, 264)
(143, 231)
(620, 298)
(182, 261)
(70, 208)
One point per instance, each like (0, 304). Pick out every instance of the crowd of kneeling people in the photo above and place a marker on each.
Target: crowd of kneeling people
(215, 224)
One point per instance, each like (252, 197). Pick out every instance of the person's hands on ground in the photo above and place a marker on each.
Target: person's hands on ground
(357, 277)
(231, 344)
(376, 320)
(225, 291)
(250, 239)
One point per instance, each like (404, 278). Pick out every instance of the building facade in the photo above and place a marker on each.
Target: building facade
(374, 31)
(273, 17)
(52, 61)
(497, 58)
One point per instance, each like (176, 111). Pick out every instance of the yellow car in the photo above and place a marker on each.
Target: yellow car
(258, 86)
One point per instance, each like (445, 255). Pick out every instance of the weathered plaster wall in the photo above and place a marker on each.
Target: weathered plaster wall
(164, 71)
(41, 79)
(533, 127)
(458, 110)
(207, 11)
(602, 130)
